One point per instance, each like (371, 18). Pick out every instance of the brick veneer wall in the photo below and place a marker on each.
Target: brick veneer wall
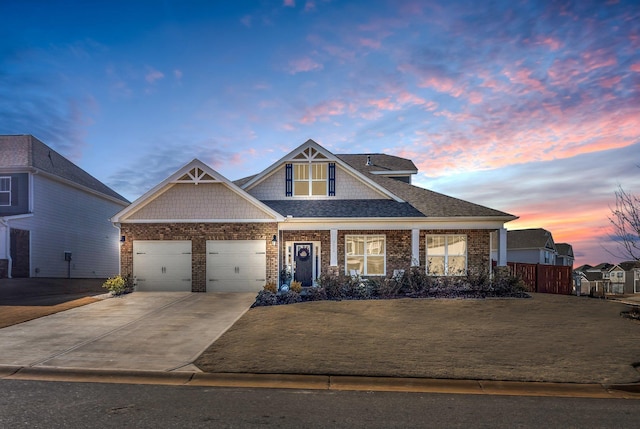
(199, 233)
(478, 246)
(398, 247)
(397, 242)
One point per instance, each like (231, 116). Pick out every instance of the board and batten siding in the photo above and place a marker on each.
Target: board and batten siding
(348, 187)
(203, 201)
(71, 219)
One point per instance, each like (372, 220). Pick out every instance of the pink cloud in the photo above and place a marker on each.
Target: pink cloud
(610, 82)
(309, 6)
(635, 67)
(153, 75)
(444, 84)
(523, 77)
(323, 111)
(475, 97)
(303, 65)
(370, 43)
(289, 3)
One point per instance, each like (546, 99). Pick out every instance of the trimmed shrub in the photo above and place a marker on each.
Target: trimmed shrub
(289, 297)
(117, 285)
(271, 287)
(265, 298)
(295, 286)
(315, 294)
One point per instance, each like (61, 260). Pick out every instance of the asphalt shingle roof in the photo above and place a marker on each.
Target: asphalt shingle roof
(343, 208)
(380, 162)
(535, 238)
(24, 151)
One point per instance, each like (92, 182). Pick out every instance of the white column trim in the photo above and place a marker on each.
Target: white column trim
(333, 260)
(502, 247)
(415, 247)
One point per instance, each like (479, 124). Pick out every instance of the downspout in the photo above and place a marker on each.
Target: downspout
(5, 223)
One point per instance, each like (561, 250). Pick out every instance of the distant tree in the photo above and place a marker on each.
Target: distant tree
(625, 219)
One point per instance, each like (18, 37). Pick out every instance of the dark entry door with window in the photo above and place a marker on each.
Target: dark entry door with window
(303, 256)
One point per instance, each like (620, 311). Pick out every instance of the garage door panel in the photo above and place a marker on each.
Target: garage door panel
(236, 265)
(162, 265)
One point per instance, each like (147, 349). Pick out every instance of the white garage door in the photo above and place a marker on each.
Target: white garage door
(236, 265)
(162, 265)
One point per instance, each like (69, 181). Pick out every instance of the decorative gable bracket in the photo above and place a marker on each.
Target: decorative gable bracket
(196, 176)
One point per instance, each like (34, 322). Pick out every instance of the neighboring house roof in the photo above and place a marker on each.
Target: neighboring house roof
(534, 238)
(593, 275)
(583, 268)
(564, 249)
(26, 151)
(343, 208)
(629, 265)
(604, 266)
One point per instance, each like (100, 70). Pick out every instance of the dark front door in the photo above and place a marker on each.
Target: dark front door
(303, 257)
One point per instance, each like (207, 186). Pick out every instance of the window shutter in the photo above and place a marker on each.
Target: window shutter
(289, 180)
(332, 179)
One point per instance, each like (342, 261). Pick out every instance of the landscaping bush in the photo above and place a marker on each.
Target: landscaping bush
(118, 285)
(315, 294)
(295, 286)
(265, 298)
(289, 297)
(413, 283)
(271, 287)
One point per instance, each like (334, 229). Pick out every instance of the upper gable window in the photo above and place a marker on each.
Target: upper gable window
(310, 179)
(5, 191)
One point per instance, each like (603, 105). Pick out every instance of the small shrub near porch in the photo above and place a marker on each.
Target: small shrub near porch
(410, 283)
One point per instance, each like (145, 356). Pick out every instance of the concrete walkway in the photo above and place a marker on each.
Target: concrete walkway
(154, 331)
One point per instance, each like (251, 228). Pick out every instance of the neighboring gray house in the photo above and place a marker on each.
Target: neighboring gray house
(530, 246)
(625, 277)
(310, 213)
(54, 216)
(565, 254)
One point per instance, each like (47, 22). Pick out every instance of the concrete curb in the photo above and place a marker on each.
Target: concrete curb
(323, 382)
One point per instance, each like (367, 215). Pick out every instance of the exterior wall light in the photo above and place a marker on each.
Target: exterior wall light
(274, 240)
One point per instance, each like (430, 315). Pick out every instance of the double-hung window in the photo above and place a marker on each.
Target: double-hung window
(5, 191)
(365, 254)
(310, 179)
(446, 255)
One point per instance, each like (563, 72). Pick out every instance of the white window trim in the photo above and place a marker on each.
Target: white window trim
(366, 236)
(446, 255)
(8, 192)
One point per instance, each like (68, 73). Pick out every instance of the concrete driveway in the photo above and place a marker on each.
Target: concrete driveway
(160, 331)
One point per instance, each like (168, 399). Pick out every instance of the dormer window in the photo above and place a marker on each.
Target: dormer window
(310, 179)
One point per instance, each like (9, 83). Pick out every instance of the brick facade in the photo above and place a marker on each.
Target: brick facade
(398, 247)
(478, 246)
(198, 234)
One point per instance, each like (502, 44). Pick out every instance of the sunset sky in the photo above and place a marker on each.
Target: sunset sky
(530, 107)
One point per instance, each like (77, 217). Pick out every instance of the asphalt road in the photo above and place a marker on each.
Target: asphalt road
(35, 404)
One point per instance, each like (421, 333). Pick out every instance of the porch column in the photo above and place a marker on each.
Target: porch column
(415, 247)
(502, 247)
(333, 259)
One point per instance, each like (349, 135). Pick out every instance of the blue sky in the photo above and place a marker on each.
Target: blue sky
(530, 107)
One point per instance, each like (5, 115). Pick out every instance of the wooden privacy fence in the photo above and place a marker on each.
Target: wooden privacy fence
(544, 278)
